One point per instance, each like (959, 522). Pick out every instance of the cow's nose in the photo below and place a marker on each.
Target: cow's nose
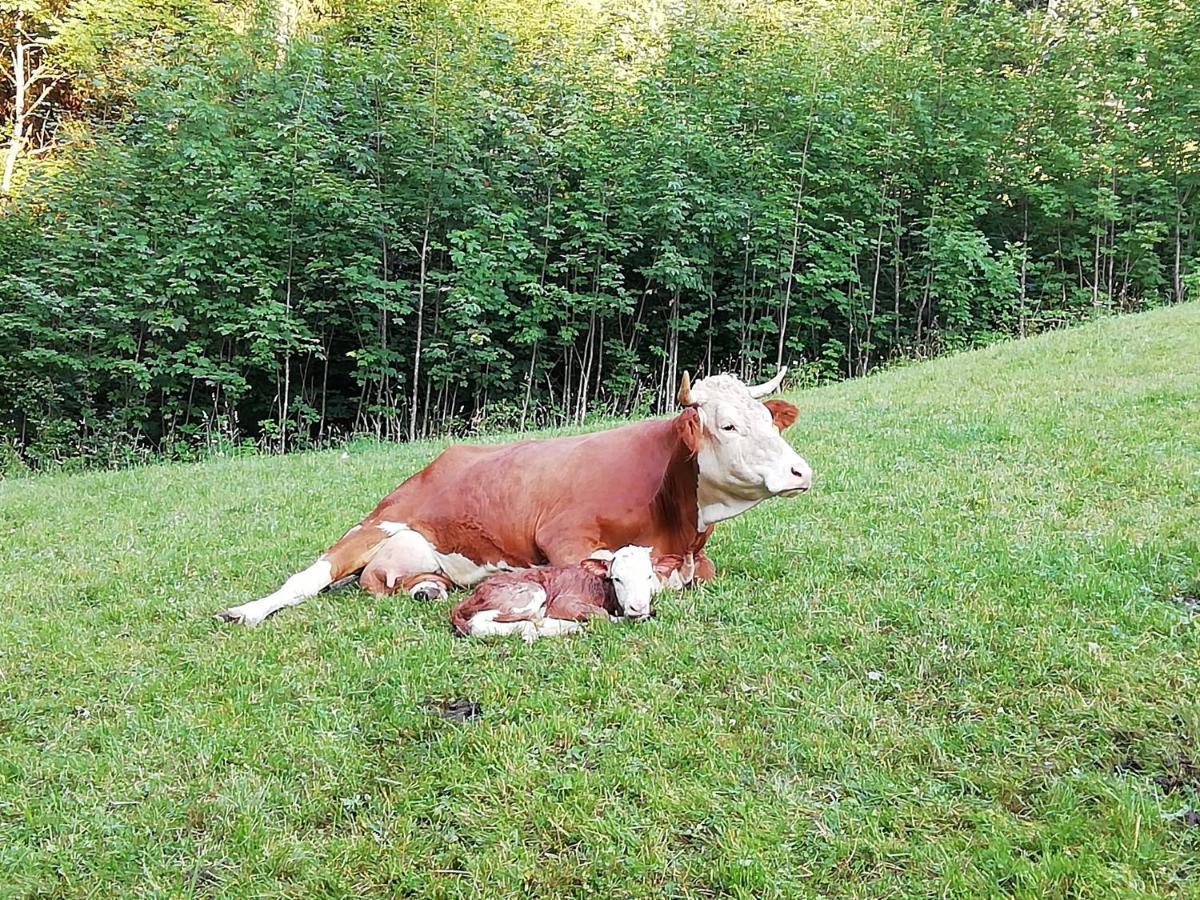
(804, 476)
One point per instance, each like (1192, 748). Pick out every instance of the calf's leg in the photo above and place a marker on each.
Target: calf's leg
(489, 624)
(558, 628)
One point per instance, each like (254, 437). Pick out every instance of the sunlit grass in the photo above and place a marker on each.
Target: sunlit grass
(957, 667)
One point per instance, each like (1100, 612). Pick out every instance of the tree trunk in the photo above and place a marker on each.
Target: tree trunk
(791, 275)
(866, 356)
(413, 411)
(1176, 278)
(528, 385)
(18, 122)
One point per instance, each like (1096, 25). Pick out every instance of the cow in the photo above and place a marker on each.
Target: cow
(479, 509)
(556, 600)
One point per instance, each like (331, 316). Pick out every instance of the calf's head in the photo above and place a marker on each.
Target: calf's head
(631, 571)
(738, 442)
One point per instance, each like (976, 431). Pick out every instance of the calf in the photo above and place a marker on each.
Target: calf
(555, 600)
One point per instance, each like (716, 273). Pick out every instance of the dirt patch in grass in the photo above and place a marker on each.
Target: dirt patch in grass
(457, 710)
(1181, 772)
(1187, 599)
(1177, 770)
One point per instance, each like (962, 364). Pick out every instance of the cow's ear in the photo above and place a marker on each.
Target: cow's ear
(783, 414)
(690, 429)
(597, 567)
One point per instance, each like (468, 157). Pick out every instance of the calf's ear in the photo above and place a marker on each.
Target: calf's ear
(783, 414)
(597, 567)
(690, 429)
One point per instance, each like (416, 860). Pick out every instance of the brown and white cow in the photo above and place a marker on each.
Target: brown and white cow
(556, 600)
(475, 510)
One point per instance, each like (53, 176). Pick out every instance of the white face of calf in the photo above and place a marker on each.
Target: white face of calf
(742, 456)
(632, 574)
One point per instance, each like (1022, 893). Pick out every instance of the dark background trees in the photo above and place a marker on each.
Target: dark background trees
(285, 222)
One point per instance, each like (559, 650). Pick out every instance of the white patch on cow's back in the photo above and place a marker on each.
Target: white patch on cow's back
(465, 572)
(391, 528)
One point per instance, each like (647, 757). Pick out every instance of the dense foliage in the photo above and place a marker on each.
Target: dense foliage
(283, 222)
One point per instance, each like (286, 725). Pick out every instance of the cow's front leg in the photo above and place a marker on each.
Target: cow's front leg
(705, 570)
(355, 548)
(406, 561)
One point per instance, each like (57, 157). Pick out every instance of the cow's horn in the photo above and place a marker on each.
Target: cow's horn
(767, 387)
(685, 390)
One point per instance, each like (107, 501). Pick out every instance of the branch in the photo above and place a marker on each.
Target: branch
(42, 96)
(38, 74)
(31, 40)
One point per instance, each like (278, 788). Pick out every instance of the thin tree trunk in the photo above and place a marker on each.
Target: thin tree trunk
(324, 391)
(866, 359)
(742, 327)
(1096, 264)
(791, 275)
(1176, 277)
(896, 277)
(599, 363)
(414, 412)
(709, 325)
(1024, 266)
(416, 378)
(287, 17)
(528, 385)
(18, 122)
(285, 402)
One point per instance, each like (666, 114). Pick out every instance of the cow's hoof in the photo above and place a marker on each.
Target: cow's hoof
(237, 617)
(429, 590)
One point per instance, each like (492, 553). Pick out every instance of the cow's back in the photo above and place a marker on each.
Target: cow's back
(492, 502)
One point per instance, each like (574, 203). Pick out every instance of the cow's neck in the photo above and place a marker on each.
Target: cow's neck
(699, 504)
(678, 497)
(712, 506)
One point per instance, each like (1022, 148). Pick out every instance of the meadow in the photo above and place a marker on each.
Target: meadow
(965, 664)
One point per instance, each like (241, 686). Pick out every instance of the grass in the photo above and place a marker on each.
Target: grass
(965, 665)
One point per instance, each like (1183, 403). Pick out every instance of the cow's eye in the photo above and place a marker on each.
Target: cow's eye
(729, 428)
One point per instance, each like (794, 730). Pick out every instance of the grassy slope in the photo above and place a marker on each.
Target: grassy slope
(951, 669)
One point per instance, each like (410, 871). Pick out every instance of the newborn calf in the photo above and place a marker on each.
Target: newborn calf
(555, 600)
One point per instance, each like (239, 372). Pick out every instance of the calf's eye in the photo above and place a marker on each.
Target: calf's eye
(729, 428)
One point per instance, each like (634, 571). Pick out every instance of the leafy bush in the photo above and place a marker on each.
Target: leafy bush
(399, 222)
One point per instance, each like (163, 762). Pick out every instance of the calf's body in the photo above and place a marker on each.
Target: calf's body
(533, 603)
(556, 600)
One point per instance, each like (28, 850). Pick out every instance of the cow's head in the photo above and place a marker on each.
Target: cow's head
(738, 443)
(631, 571)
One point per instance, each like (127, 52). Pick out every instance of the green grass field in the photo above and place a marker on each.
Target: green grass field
(966, 664)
